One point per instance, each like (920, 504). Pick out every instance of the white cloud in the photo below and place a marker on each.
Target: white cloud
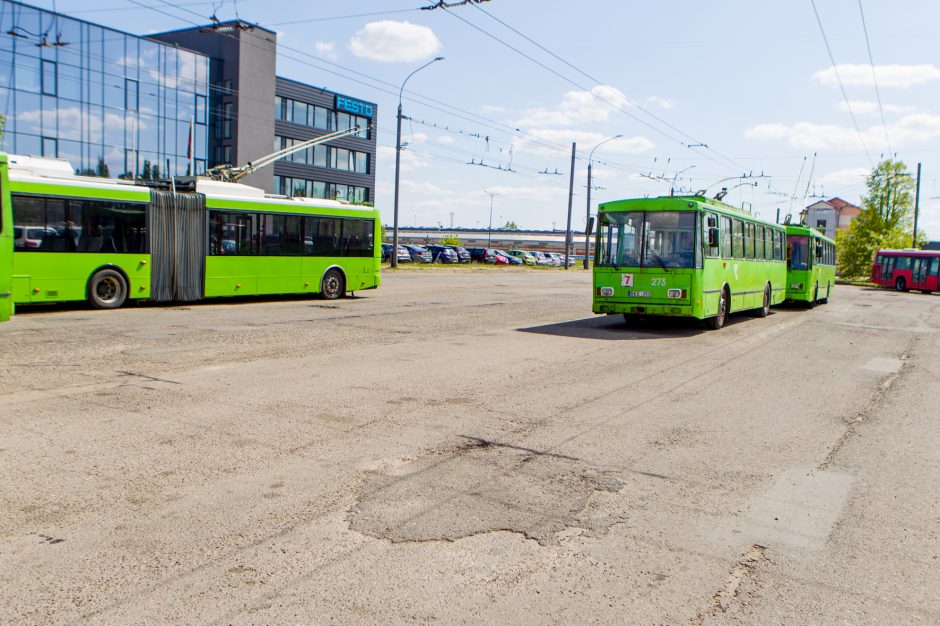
(888, 75)
(869, 107)
(663, 103)
(447, 140)
(535, 140)
(844, 177)
(490, 108)
(578, 107)
(394, 42)
(410, 160)
(810, 136)
(326, 49)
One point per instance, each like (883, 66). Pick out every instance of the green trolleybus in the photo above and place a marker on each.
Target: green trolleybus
(686, 256)
(67, 237)
(811, 265)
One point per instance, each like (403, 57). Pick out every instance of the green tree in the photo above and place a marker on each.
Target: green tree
(450, 240)
(884, 222)
(510, 226)
(3, 124)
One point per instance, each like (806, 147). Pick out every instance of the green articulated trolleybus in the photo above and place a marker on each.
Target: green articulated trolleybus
(686, 256)
(811, 265)
(67, 237)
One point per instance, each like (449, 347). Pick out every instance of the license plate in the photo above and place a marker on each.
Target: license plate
(638, 294)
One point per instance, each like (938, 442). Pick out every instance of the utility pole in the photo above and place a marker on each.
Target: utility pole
(587, 218)
(570, 198)
(489, 233)
(916, 206)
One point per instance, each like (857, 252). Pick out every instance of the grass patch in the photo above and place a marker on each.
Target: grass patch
(858, 281)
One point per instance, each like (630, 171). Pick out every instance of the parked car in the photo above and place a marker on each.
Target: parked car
(497, 258)
(419, 254)
(403, 255)
(558, 260)
(463, 256)
(477, 254)
(443, 254)
(526, 257)
(513, 260)
(487, 255)
(541, 258)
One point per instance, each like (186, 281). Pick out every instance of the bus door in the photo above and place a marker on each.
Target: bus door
(919, 272)
(6, 243)
(926, 276)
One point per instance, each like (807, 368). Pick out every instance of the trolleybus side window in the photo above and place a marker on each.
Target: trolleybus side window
(709, 221)
(726, 237)
(759, 243)
(59, 225)
(231, 234)
(738, 239)
(749, 240)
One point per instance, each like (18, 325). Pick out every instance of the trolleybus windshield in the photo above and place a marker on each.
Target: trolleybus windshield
(647, 239)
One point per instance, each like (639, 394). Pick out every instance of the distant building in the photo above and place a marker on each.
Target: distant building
(831, 215)
(932, 245)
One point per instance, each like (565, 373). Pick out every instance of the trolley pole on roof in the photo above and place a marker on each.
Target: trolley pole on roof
(570, 197)
(916, 206)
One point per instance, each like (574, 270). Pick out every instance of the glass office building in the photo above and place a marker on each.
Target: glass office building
(111, 103)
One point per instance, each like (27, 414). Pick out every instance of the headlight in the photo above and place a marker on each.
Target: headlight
(676, 293)
(607, 291)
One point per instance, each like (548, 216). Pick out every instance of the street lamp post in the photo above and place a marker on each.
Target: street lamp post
(587, 219)
(394, 255)
(489, 234)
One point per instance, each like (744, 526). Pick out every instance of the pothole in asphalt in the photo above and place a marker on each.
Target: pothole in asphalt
(483, 487)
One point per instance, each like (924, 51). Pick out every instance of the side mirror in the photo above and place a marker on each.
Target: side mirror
(711, 221)
(713, 237)
(590, 226)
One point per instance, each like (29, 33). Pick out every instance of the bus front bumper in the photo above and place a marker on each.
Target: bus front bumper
(643, 308)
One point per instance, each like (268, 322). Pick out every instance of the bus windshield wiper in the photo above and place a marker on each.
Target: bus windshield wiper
(659, 260)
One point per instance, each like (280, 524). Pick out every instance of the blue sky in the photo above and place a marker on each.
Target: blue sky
(754, 83)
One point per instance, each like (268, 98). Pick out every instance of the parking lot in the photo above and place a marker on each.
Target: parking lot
(470, 446)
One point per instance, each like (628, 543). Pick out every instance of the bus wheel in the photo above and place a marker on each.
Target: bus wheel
(900, 284)
(764, 310)
(332, 286)
(715, 323)
(107, 289)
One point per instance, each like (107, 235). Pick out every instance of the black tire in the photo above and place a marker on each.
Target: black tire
(107, 289)
(716, 322)
(764, 310)
(900, 284)
(333, 285)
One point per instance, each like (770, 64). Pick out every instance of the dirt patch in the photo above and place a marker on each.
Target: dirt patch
(482, 487)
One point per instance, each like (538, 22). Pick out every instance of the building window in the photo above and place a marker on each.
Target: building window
(227, 109)
(50, 147)
(131, 94)
(50, 80)
(200, 109)
(821, 225)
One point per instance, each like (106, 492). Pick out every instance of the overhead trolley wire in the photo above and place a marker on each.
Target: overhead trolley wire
(845, 96)
(695, 142)
(874, 79)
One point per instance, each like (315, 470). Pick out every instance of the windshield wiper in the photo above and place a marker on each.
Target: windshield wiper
(659, 260)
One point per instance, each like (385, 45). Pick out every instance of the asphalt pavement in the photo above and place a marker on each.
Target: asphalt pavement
(470, 446)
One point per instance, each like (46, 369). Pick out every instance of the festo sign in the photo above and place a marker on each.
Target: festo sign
(353, 106)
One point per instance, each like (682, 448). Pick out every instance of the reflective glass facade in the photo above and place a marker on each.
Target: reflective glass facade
(113, 104)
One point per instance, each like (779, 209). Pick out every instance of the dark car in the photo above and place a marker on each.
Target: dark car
(477, 254)
(419, 254)
(462, 254)
(443, 254)
(512, 260)
(403, 255)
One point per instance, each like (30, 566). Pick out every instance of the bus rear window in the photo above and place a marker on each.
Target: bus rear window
(797, 251)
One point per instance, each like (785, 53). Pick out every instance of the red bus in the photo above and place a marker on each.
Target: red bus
(907, 269)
